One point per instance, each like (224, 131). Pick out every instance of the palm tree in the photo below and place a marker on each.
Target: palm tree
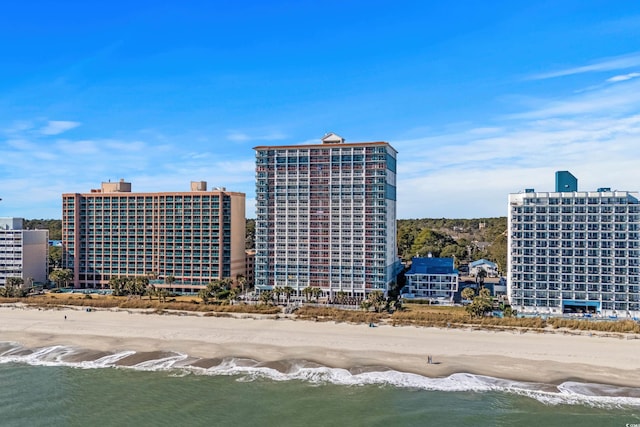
(233, 294)
(307, 293)
(169, 280)
(241, 281)
(481, 304)
(163, 294)
(365, 305)
(14, 287)
(204, 295)
(288, 291)
(482, 274)
(266, 297)
(376, 298)
(277, 291)
(117, 285)
(61, 277)
(316, 292)
(468, 293)
(140, 285)
(152, 291)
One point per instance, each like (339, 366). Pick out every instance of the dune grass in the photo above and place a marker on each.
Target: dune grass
(412, 314)
(108, 301)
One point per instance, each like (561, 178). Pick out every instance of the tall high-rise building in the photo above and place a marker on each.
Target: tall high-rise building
(574, 251)
(326, 217)
(193, 237)
(23, 253)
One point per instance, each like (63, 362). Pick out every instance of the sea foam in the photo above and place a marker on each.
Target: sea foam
(246, 370)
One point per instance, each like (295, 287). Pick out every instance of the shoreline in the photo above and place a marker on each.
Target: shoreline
(508, 355)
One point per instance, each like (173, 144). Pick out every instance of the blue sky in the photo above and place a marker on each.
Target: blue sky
(481, 99)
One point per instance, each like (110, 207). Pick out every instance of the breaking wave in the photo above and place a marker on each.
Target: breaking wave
(569, 392)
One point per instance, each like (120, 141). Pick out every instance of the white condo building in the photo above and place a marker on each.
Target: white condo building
(574, 251)
(326, 217)
(23, 253)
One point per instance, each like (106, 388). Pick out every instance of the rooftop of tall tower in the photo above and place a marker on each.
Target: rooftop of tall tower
(332, 138)
(328, 139)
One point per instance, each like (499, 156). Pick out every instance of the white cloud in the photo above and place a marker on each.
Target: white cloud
(469, 172)
(236, 136)
(607, 64)
(623, 77)
(56, 127)
(609, 100)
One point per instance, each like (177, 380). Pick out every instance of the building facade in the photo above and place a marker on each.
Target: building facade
(431, 278)
(326, 217)
(23, 253)
(490, 268)
(191, 237)
(574, 252)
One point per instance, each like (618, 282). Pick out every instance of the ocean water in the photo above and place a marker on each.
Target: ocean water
(61, 386)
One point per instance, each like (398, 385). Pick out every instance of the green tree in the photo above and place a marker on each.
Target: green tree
(307, 293)
(241, 280)
(55, 257)
(53, 225)
(481, 304)
(14, 288)
(61, 277)
(250, 234)
(163, 294)
(277, 291)
(468, 293)
(508, 311)
(315, 293)
(377, 300)
(204, 295)
(341, 297)
(152, 291)
(482, 274)
(498, 252)
(288, 291)
(15, 281)
(117, 285)
(266, 297)
(140, 285)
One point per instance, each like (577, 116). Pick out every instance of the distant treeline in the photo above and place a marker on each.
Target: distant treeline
(465, 239)
(53, 225)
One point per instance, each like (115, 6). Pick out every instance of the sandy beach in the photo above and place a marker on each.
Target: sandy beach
(536, 357)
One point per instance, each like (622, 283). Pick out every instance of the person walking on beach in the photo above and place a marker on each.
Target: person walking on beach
(429, 360)
(65, 317)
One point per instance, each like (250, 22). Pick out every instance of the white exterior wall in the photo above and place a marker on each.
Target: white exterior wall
(24, 254)
(432, 285)
(569, 248)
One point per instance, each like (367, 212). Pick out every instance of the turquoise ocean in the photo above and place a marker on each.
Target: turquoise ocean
(61, 386)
